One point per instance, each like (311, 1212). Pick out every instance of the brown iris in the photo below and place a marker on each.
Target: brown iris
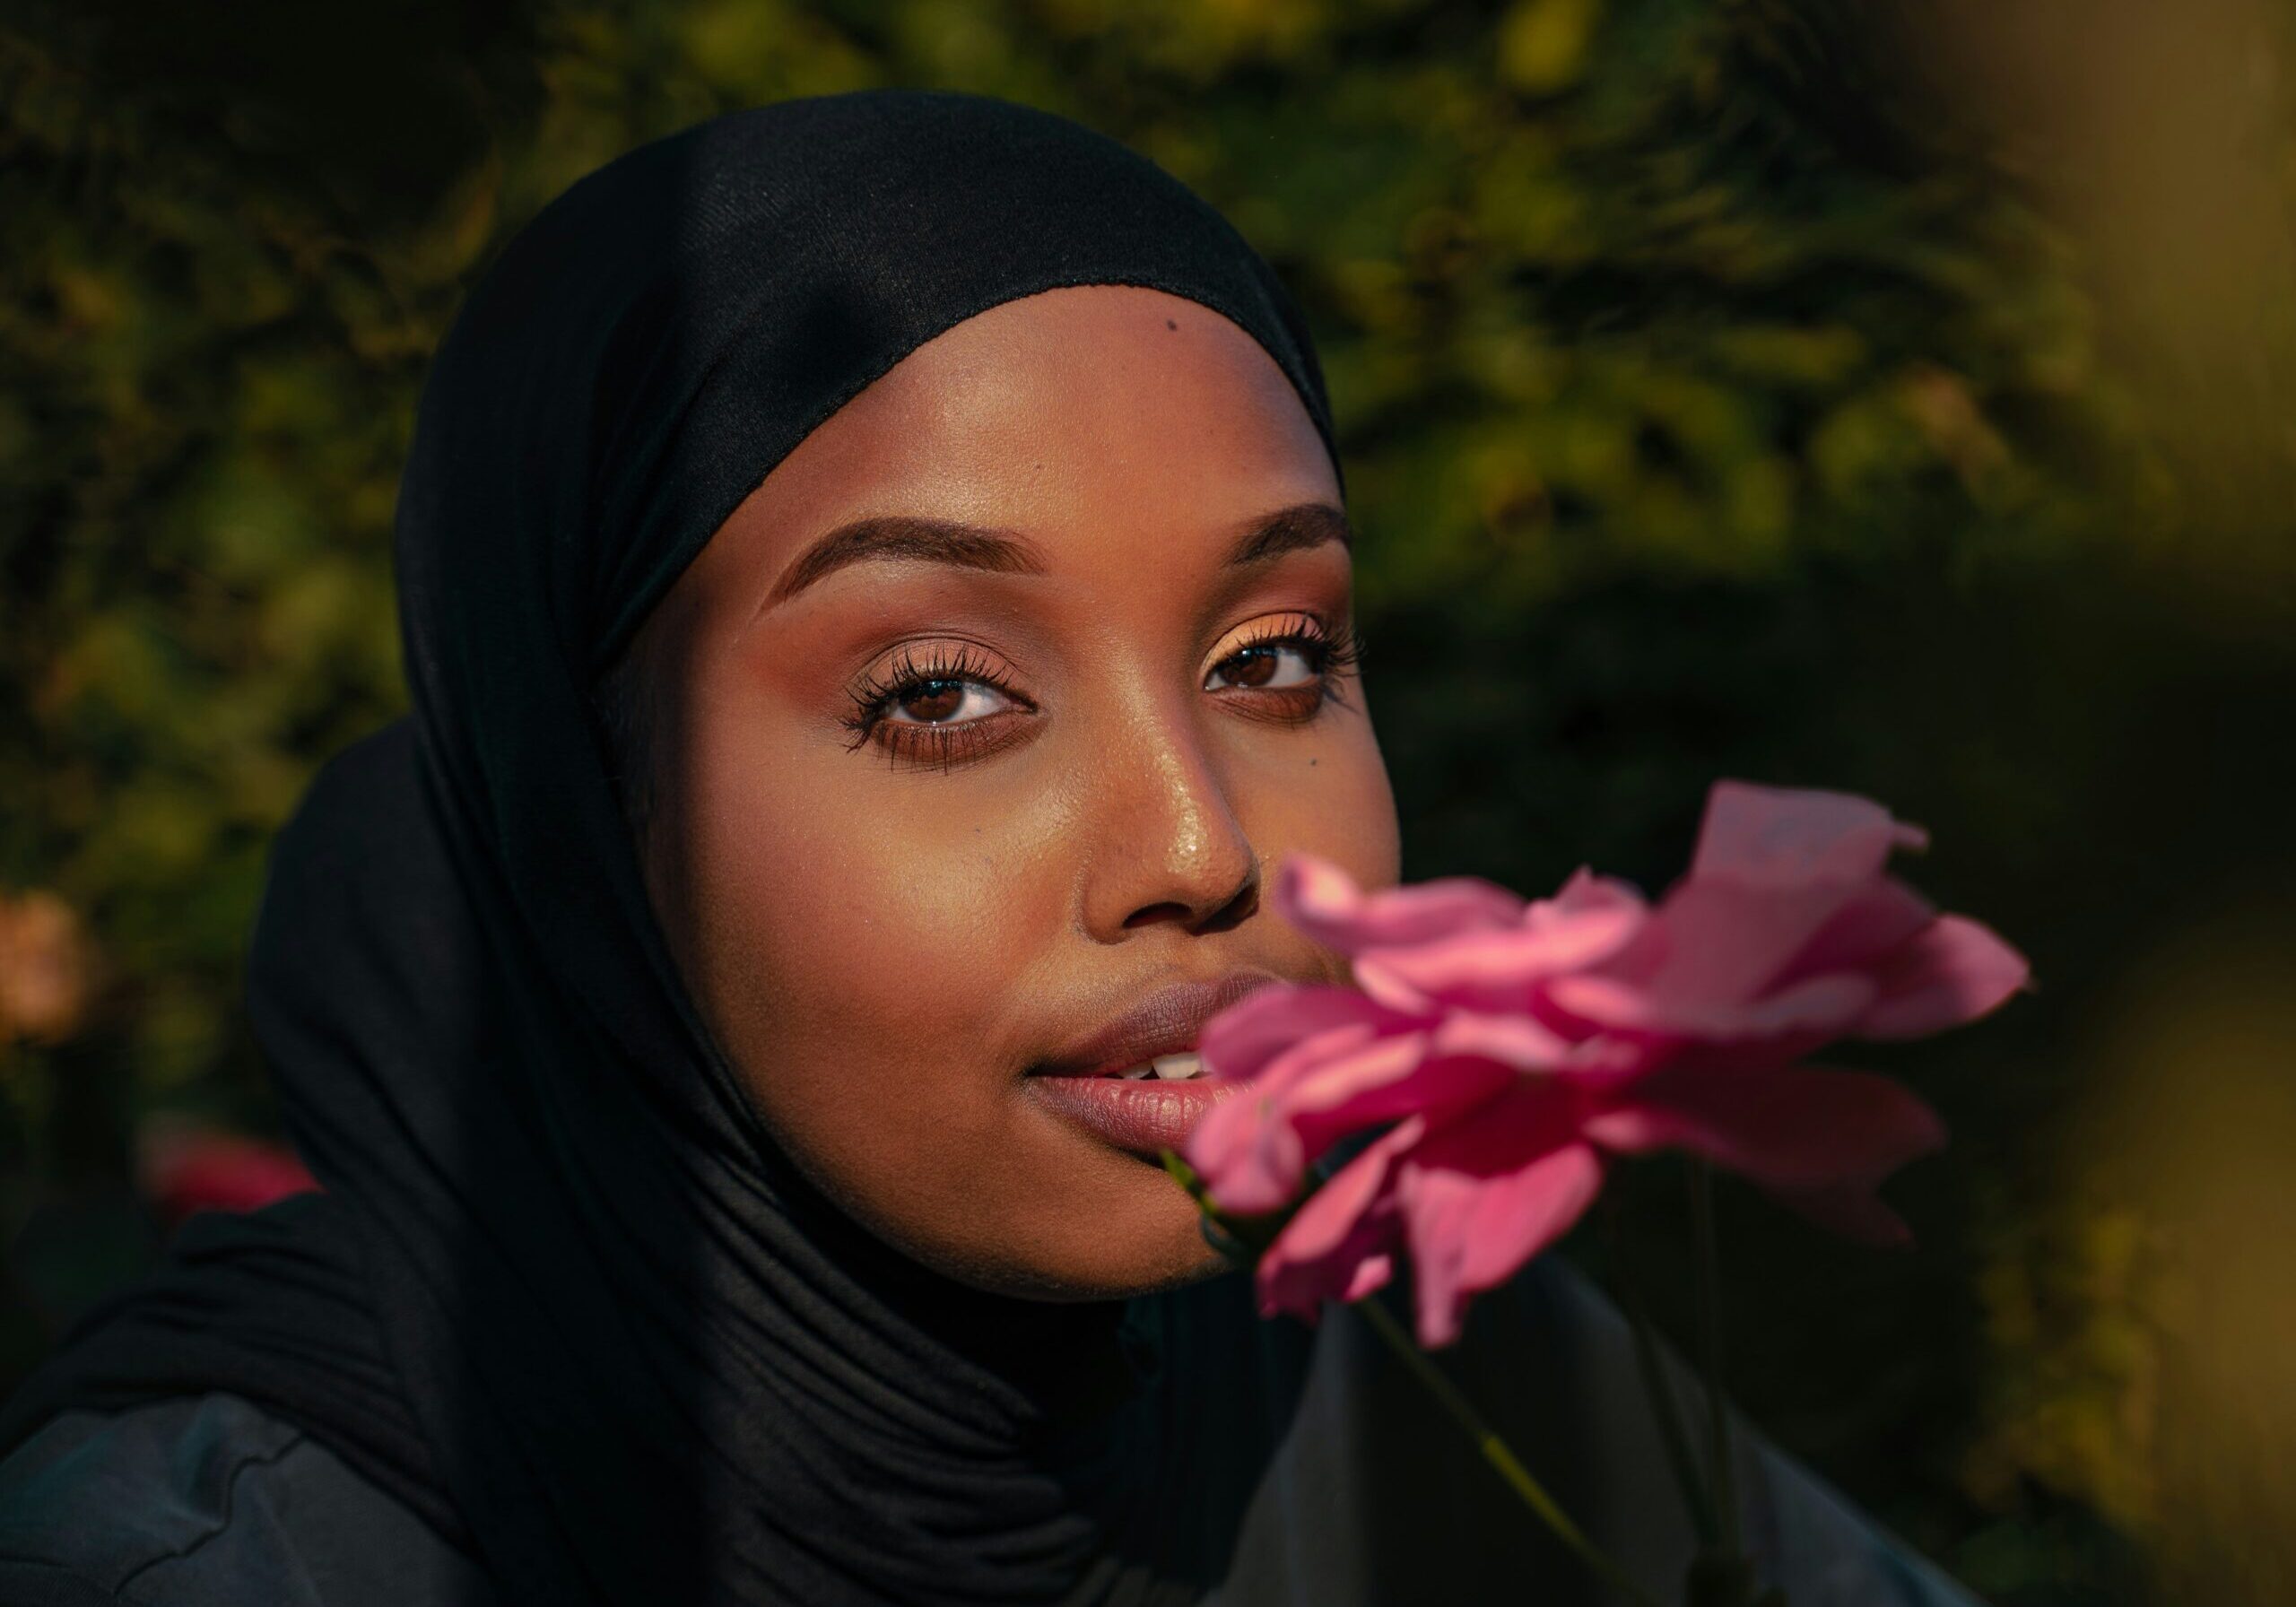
(1253, 666)
(934, 701)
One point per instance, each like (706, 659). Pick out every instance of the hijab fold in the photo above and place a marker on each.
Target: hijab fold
(564, 1295)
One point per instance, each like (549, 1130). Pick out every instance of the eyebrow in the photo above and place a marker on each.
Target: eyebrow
(896, 537)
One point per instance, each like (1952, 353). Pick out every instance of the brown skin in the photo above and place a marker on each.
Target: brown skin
(886, 938)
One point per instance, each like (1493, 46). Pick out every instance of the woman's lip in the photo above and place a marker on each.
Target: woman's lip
(1143, 1114)
(1167, 1022)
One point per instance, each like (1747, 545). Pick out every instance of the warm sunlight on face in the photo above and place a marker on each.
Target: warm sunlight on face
(982, 719)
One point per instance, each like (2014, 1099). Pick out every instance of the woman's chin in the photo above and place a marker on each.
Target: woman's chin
(1152, 1276)
(1142, 1237)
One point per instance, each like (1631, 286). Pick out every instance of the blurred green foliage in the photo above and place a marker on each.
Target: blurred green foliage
(1760, 387)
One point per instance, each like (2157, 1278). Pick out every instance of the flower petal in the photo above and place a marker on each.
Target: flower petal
(1795, 835)
(1250, 1158)
(1954, 970)
(1582, 892)
(1728, 941)
(1323, 901)
(1338, 1246)
(1774, 870)
(1875, 921)
(1241, 1040)
(1251, 1150)
(1482, 1196)
(1495, 969)
(1442, 1072)
(1511, 1040)
(1349, 1099)
(1787, 1126)
(1823, 1006)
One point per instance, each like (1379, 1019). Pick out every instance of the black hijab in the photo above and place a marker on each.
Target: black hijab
(563, 1295)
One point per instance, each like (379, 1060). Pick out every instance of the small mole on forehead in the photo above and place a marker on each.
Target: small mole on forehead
(1170, 325)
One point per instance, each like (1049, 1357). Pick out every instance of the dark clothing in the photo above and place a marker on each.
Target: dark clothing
(206, 1500)
(1373, 1498)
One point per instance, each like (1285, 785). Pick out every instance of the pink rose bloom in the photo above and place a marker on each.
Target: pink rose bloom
(1516, 1047)
(185, 1168)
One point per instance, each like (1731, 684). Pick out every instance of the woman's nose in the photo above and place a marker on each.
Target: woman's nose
(1167, 845)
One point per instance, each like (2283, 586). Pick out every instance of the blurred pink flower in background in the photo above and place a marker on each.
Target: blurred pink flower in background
(182, 1167)
(1517, 1045)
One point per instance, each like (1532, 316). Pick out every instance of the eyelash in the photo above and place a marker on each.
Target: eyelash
(1330, 658)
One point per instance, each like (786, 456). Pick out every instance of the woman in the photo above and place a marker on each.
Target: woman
(876, 590)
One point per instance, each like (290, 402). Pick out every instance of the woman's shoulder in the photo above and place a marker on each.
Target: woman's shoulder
(1806, 1535)
(203, 1500)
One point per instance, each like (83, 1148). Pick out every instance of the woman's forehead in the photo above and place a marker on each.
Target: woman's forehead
(1073, 418)
(1073, 387)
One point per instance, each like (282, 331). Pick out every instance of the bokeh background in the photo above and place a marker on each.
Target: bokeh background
(1890, 396)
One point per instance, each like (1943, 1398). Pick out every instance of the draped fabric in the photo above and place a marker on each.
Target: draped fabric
(563, 1295)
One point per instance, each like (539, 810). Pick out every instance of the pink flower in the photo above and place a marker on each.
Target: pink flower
(1517, 1047)
(183, 1168)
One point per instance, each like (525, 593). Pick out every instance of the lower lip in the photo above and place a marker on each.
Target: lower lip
(1144, 1114)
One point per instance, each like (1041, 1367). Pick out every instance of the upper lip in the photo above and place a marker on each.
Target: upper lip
(1167, 1022)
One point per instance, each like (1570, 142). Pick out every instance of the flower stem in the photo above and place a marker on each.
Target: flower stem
(1497, 1453)
(1680, 1459)
(1724, 1481)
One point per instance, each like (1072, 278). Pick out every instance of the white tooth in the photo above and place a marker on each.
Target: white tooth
(1172, 1068)
(1135, 1072)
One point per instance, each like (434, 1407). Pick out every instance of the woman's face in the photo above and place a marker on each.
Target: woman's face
(941, 796)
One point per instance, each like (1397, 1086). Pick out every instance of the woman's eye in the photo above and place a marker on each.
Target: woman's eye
(937, 711)
(1267, 665)
(944, 700)
(945, 709)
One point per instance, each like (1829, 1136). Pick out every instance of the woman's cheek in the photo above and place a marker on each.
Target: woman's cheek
(879, 944)
(877, 921)
(1332, 798)
(1366, 837)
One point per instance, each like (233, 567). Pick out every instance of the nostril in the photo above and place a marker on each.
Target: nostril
(1202, 915)
(1149, 915)
(1232, 913)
